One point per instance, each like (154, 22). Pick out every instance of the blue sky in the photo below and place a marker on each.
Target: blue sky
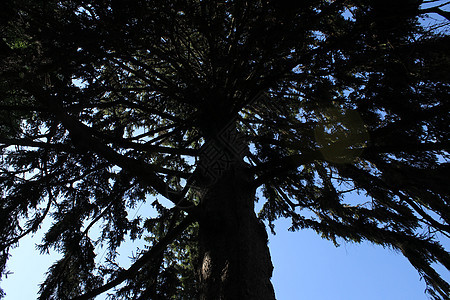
(308, 267)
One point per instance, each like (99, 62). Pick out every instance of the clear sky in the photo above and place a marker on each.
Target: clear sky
(308, 267)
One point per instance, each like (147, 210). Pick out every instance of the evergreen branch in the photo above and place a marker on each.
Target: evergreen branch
(371, 181)
(30, 143)
(27, 108)
(144, 259)
(442, 228)
(125, 103)
(83, 139)
(283, 166)
(419, 251)
(35, 226)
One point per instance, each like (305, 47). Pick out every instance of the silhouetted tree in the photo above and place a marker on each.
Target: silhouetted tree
(106, 103)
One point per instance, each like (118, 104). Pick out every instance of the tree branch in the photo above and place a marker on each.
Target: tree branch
(148, 256)
(32, 227)
(436, 10)
(29, 143)
(284, 165)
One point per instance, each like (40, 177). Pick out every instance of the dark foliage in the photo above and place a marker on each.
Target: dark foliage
(106, 103)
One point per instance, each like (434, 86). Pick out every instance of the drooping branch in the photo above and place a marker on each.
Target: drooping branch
(283, 166)
(34, 226)
(145, 258)
(6, 142)
(84, 139)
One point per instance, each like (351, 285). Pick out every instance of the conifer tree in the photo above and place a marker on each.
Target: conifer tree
(108, 104)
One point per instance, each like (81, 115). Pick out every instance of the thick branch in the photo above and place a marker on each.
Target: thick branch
(30, 143)
(284, 165)
(442, 13)
(82, 137)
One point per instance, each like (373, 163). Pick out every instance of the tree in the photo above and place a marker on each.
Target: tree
(203, 103)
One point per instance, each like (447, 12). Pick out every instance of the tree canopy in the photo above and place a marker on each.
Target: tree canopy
(108, 104)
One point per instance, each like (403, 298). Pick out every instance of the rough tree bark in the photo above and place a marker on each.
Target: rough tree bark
(235, 261)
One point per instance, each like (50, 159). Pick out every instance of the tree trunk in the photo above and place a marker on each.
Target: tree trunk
(235, 260)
